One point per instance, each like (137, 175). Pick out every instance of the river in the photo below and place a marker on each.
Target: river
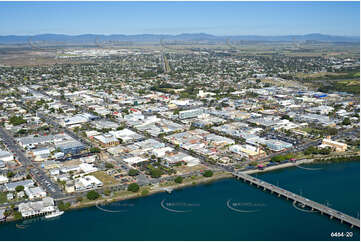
(223, 210)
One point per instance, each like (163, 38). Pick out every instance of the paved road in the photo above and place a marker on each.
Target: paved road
(299, 147)
(39, 175)
(44, 180)
(14, 148)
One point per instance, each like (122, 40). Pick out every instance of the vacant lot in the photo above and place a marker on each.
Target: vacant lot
(105, 178)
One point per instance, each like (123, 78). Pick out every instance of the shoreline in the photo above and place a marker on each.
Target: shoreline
(203, 180)
(315, 160)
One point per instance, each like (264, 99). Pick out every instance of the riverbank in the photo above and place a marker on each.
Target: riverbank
(316, 160)
(201, 180)
(123, 219)
(130, 195)
(189, 182)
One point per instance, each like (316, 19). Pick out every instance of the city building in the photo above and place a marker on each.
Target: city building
(335, 145)
(192, 113)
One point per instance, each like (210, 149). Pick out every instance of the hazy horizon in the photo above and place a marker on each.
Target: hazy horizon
(215, 18)
(225, 35)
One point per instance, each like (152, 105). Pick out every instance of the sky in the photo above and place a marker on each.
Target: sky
(218, 18)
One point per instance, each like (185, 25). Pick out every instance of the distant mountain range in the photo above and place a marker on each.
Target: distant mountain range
(96, 38)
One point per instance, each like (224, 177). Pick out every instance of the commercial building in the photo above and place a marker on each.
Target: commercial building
(87, 168)
(337, 146)
(34, 192)
(87, 182)
(278, 145)
(78, 119)
(126, 135)
(31, 209)
(12, 185)
(249, 151)
(3, 179)
(192, 113)
(6, 156)
(70, 146)
(106, 140)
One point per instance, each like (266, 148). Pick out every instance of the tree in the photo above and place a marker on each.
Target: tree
(208, 173)
(276, 158)
(7, 213)
(133, 172)
(19, 188)
(145, 192)
(92, 195)
(94, 150)
(287, 117)
(16, 120)
(133, 187)
(63, 206)
(17, 215)
(178, 179)
(253, 163)
(346, 121)
(325, 151)
(279, 158)
(10, 174)
(109, 165)
(156, 173)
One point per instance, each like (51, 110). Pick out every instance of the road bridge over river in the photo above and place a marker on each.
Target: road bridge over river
(314, 206)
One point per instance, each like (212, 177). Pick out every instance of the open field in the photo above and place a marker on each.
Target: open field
(3, 198)
(27, 54)
(350, 86)
(319, 75)
(105, 178)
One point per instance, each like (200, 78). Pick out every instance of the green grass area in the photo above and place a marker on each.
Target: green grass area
(105, 178)
(350, 86)
(309, 130)
(116, 194)
(3, 198)
(329, 75)
(122, 193)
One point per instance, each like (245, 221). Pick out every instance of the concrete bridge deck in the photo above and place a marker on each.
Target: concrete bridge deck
(332, 213)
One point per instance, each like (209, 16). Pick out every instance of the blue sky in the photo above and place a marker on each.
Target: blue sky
(219, 18)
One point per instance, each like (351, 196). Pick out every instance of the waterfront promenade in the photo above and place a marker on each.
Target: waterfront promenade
(314, 206)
